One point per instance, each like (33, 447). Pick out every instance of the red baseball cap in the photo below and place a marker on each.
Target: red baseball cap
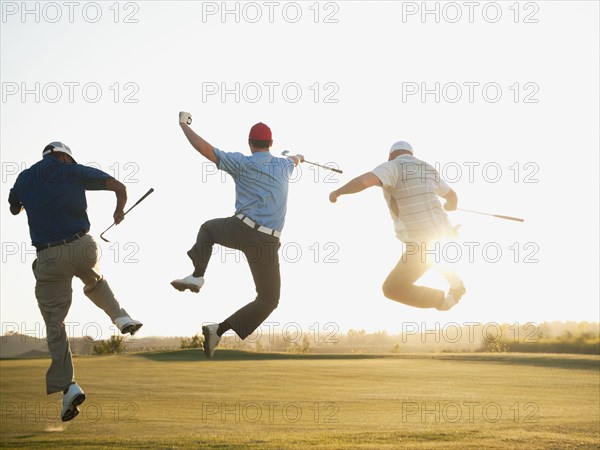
(260, 132)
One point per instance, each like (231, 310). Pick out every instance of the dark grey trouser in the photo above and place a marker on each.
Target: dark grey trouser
(54, 270)
(260, 250)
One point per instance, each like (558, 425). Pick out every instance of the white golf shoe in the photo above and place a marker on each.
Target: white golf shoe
(453, 297)
(211, 339)
(128, 325)
(71, 400)
(190, 282)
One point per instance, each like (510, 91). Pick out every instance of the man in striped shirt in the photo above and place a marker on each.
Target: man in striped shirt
(411, 188)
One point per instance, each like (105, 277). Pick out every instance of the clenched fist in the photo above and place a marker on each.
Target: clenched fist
(118, 216)
(185, 117)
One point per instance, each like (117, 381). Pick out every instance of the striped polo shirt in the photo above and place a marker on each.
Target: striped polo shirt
(411, 188)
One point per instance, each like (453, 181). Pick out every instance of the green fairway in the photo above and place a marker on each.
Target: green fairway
(179, 399)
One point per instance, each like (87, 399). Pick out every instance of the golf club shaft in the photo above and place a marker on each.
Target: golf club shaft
(499, 216)
(150, 191)
(333, 169)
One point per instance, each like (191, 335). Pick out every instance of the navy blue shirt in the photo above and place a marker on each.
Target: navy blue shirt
(53, 195)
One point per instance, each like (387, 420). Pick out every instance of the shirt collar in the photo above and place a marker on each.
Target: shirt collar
(261, 154)
(403, 156)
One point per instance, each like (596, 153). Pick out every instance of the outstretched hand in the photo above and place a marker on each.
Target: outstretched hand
(333, 197)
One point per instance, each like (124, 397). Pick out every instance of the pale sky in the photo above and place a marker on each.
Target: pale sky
(514, 130)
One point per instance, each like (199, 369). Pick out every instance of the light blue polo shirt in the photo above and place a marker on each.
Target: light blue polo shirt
(261, 185)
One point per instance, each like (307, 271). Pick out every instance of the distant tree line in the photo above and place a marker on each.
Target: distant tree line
(546, 337)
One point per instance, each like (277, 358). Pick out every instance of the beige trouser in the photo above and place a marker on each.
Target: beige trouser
(54, 270)
(400, 283)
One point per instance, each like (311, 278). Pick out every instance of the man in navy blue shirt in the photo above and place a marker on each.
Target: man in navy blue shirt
(261, 188)
(52, 192)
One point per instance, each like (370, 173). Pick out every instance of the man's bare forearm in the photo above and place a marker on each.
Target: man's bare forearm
(352, 187)
(358, 184)
(121, 199)
(121, 193)
(203, 147)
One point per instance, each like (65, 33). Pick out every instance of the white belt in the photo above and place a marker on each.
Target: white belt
(252, 224)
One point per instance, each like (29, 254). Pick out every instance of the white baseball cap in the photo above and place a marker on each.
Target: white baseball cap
(58, 147)
(401, 145)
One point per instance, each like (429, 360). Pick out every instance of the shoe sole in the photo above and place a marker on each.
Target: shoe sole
(183, 286)
(131, 328)
(73, 412)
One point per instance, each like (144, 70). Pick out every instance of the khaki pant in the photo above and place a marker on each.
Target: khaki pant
(54, 270)
(400, 283)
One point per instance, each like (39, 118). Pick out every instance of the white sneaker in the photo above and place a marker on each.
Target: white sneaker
(128, 325)
(71, 400)
(211, 339)
(453, 297)
(190, 282)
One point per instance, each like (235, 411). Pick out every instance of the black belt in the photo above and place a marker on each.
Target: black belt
(78, 235)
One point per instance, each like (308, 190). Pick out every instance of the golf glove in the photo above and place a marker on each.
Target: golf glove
(185, 117)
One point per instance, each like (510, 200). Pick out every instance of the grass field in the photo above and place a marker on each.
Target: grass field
(252, 400)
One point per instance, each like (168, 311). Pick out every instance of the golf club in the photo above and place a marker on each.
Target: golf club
(516, 219)
(135, 204)
(333, 169)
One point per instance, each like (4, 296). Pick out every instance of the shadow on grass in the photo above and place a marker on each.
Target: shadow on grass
(240, 355)
(581, 362)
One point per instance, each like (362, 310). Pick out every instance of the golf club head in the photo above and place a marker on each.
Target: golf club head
(285, 152)
(104, 239)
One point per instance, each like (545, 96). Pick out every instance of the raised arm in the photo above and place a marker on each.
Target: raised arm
(358, 184)
(121, 192)
(203, 147)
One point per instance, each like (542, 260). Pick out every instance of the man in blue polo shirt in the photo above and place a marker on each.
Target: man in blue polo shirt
(261, 188)
(52, 192)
